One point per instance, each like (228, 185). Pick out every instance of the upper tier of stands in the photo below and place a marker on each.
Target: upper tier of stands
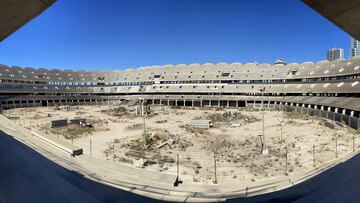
(192, 72)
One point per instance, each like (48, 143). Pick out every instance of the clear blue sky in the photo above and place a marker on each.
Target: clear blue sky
(118, 34)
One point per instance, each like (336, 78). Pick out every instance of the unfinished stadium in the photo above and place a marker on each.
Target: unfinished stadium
(183, 133)
(327, 89)
(309, 112)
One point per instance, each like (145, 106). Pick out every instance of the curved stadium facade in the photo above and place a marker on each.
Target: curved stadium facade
(326, 89)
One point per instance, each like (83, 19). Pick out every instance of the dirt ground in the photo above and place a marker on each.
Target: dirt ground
(294, 142)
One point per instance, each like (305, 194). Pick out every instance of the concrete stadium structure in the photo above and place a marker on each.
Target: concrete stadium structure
(326, 89)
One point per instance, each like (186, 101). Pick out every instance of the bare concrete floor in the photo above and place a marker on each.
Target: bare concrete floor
(117, 135)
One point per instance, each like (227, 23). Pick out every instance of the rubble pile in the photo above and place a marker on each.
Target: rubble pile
(118, 111)
(230, 119)
(66, 108)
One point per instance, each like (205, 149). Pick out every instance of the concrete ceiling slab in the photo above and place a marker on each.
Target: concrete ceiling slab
(16, 13)
(343, 13)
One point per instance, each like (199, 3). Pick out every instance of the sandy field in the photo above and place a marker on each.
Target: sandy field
(294, 142)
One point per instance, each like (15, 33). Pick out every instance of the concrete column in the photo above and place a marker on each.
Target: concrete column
(192, 103)
(301, 109)
(237, 104)
(246, 103)
(184, 102)
(176, 102)
(160, 102)
(352, 113)
(349, 120)
(322, 107)
(343, 111)
(336, 110)
(227, 103)
(201, 102)
(209, 103)
(168, 102)
(218, 103)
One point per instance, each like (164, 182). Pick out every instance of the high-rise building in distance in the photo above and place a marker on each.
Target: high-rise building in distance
(335, 53)
(354, 47)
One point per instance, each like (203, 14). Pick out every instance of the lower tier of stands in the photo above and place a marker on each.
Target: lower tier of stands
(341, 109)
